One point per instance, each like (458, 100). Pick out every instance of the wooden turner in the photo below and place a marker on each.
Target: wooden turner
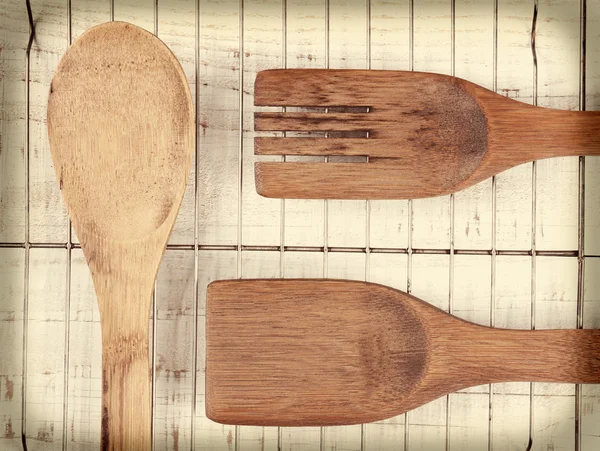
(334, 352)
(121, 129)
(428, 134)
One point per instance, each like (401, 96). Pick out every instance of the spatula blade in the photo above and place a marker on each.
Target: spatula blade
(317, 353)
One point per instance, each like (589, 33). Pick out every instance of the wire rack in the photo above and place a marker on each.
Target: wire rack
(518, 250)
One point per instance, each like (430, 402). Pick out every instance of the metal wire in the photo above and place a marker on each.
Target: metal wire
(494, 231)
(533, 218)
(240, 165)
(195, 305)
(240, 248)
(581, 215)
(67, 336)
(26, 243)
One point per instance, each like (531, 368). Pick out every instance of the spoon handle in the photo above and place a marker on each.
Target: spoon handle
(485, 355)
(126, 407)
(533, 133)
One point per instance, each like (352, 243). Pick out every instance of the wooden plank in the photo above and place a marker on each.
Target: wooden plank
(468, 409)
(301, 265)
(344, 266)
(13, 41)
(590, 411)
(137, 12)
(592, 164)
(174, 351)
(177, 29)
(515, 79)
(347, 50)
(510, 409)
(555, 307)
(430, 282)
(306, 48)
(592, 206)
(48, 215)
(84, 397)
(257, 264)
(390, 270)
(557, 42)
(432, 52)
(84, 406)
(12, 268)
(86, 14)
(468, 421)
(45, 351)
(472, 302)
(474, 43)
(218, 120)
(262, 22)
(209, 436)
(389, 49)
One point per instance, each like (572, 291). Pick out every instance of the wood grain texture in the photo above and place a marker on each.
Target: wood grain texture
(218, 121)
(428, 220)
(12, 268)
(261, 25)
(450, 135)
(174, 351)
(48, 221)
(210, 436)
(305, 25)
(45, 354)
(366, 351)
(123, 181)
(13, 39)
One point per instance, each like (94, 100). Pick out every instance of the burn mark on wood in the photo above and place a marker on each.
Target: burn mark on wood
(8, 394)
(46, 434)
(9, 433)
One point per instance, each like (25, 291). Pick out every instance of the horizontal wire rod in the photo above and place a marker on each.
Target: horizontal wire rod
(373, 250)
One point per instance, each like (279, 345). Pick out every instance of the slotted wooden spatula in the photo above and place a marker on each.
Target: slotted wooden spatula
(428, 134)
(121, 129)
(333, 352)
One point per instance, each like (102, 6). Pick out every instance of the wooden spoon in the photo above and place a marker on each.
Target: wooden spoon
(333, 352)
(428, 134)
(121, 129)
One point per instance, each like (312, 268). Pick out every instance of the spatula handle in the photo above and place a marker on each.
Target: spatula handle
(487, 355)
(533, 133)
(126, 404)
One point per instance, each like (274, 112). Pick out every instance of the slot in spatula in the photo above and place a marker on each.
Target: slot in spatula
(425, 134)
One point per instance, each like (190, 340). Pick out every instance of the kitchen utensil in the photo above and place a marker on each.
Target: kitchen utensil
(334, 352)
(428, 134)
(121, 130)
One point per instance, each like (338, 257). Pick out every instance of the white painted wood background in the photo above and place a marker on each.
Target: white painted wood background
(487, 254)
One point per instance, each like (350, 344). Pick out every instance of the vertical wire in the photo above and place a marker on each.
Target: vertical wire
(363, 435)
(67, 337)
(196, 225)
(322, 430)
(27, 243)
(494, 249)
(451, 256)
(411, 67)
(154, 315)
(581, 214)
(533, 218)
(112, 10)
(282, 202)
(240, 163)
